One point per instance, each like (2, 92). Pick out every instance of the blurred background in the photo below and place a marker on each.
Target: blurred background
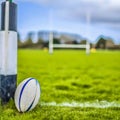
(72, 22)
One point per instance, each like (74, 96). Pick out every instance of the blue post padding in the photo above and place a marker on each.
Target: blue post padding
(7, 87)
(12, 16)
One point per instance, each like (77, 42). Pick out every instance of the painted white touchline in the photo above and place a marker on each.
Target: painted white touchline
(95, 104)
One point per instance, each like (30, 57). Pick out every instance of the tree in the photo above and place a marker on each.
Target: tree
(40, 41)
(83, 41)
(29, 43)
(75, 42)
(56, 41)
(101, 43)
(19, 41)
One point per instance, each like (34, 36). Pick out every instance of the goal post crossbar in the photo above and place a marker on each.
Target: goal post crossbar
(69, 46)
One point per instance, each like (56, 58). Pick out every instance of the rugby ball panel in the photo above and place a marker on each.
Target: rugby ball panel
(17, 94)
(37, 97)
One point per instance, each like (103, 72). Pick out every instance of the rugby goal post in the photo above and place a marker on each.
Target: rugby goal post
(72, 46)
(8, 51)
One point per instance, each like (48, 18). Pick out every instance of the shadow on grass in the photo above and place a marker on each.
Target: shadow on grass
(62, 87)
(81, 85)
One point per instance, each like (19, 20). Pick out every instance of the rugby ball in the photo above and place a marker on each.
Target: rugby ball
(27, 95)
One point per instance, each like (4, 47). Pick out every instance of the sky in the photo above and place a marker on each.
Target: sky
(88, 18)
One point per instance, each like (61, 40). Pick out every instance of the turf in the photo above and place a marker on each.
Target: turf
(67, 76)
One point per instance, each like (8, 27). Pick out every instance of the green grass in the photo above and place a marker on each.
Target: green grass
(68, 76)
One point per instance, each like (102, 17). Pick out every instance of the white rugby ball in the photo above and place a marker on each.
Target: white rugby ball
(27, 95)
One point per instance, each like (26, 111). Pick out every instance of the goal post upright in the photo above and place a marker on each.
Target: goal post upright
(51, 37)
(88, 20)
(8, 50)
(51, 42)
(87, 47)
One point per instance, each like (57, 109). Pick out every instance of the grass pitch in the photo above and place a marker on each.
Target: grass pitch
(69, 76)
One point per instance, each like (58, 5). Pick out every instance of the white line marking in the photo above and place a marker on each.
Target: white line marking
(95, 104)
